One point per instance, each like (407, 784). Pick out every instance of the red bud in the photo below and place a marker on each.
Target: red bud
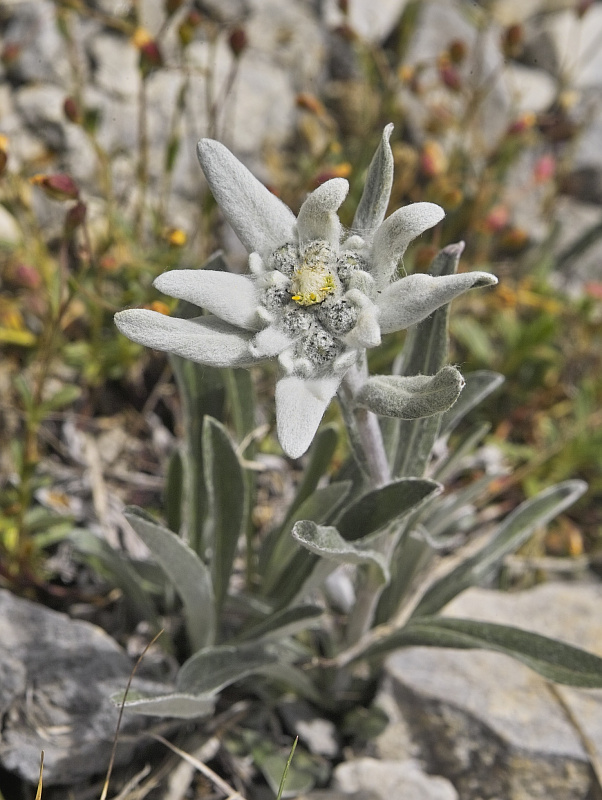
(59, 186)
(71, 110)
(238, 41)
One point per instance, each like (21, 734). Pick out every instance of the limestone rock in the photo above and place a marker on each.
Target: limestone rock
(288, 35)
(56, 679)
(40, 49)
(391, 779)
(577, 46)
(116, 65)
(372, 21)
(9, 228)
(440, 23)
(488, 723)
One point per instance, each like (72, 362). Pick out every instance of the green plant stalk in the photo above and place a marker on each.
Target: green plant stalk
(367, 442)
(64, 296)
(142, 170)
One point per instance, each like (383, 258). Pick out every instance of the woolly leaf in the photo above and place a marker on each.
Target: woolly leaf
(178, 704)
(373, 204)
(555, 660)
(411, 397)
(379, 507)
(479, 385)
(213, 668)
(328, 543)
(226, 494)
(510, 535)
(424, 353)
(189, 575)
(283, 623)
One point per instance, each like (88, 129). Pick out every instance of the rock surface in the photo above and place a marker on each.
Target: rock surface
(392, 779)
(250, 104)
(489, 724)
(56, 679)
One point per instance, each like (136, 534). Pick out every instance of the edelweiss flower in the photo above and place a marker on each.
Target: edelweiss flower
(316, 297)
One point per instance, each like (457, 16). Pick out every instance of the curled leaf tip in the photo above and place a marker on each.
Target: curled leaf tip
(455, 249)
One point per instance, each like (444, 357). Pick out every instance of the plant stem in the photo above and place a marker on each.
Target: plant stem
(367, 441)
(142, 169)
(364, 430)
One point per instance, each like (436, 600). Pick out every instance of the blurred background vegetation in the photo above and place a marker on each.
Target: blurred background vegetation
(71, 387)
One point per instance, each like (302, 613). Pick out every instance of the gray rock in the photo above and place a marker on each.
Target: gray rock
(577, 46)
(41, 109)
(441, 22)
(288, 35)
(317, 733)
(372, 21)
(9, 229)
(225, 10)
(115, 62)
(117, 129)
(488, 723)
(392, 779)
(56, 679)
(326, 794)
(576, 220)
(42, 55)
(529, 89)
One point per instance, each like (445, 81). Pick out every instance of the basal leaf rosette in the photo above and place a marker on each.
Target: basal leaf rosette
(316, 296)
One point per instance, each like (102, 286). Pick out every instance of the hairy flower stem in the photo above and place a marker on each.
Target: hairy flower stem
(364, 430)
(367, 441)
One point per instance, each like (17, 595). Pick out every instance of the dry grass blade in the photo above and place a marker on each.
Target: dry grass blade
(39, 789)
(286, 769)
(215, 779)
(105, 788)
(133, 783)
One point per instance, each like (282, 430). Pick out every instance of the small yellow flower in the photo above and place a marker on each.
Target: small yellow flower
(141, 37)
(176, 237)
(161, 308)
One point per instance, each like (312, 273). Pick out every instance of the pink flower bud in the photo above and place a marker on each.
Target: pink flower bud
(544, 169)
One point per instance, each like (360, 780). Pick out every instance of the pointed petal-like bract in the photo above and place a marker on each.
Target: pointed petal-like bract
(206, 340)
(230, 297)
(377, 190)
(261, 221)
(395, 234)
(317, 217)
(300, 406)
(270, 342)
(412, 299)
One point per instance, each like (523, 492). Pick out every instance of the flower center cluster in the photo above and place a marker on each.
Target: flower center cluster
(306, 296)
(313, 281)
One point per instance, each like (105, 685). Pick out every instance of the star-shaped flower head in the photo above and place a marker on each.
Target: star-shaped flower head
(316, 297)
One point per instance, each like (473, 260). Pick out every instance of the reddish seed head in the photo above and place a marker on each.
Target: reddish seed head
(59, 186)
(238, 41)
(71, 110)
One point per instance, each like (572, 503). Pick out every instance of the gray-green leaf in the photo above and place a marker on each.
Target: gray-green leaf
(178, 705)
(554, 660)
(282, 623)
(510, 535)
(373, 204)
(412, 396)
(184, 568)
(226, 494)
(379, 507)
(478, 386)
(328, 543)
(213, 668)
